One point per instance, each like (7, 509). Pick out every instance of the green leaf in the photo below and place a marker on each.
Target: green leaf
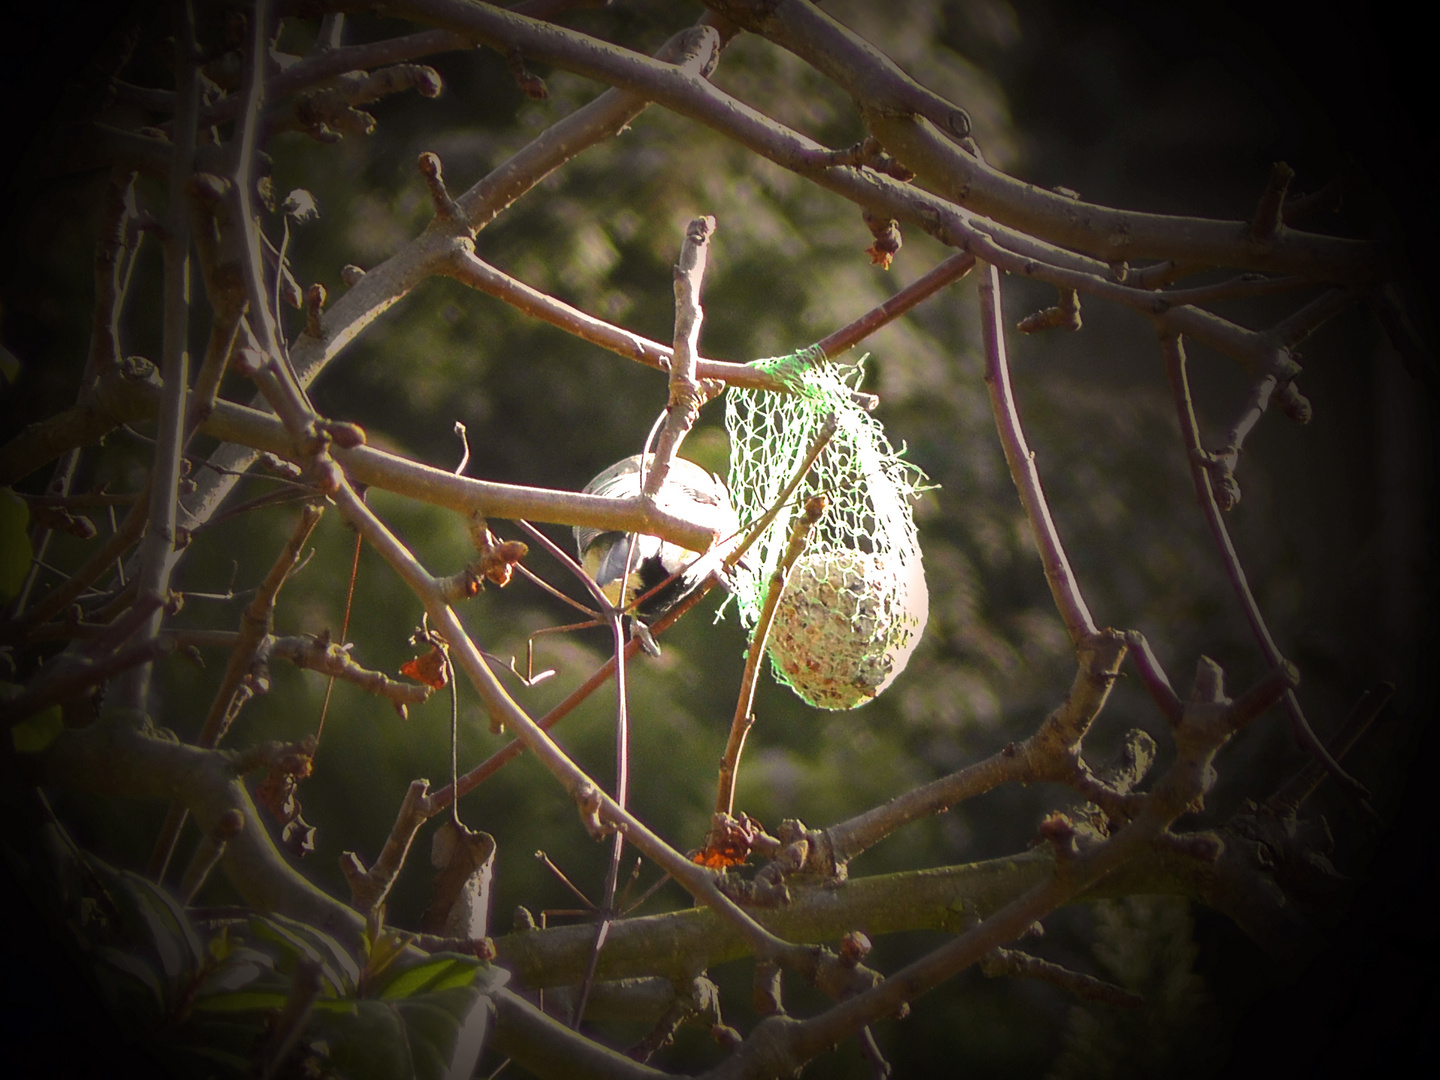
(152, 918)
(338, 1006)
(469, 1042)
(236, 1001)
(241, 967)
(15, 551)
(35, 733)
(383, 951)
(368, 1043)
(111, 962)
(440, 972)
(430, 1036)
(446, 1031)
(298, 939)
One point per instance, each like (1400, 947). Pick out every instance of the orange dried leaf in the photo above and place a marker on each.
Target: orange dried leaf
(429, 669)
(721, 857)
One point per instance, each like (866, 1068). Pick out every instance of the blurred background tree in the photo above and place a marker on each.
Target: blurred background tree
(1181, 111)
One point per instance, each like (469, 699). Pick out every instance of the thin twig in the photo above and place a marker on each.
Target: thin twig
(231, 695)
(158, 552)
(1015, 964)
(468, 268)
(686, 392)
(1371, 704)
(1107, 234)
(368, 888)
(513, 749)
(622, 800)
(1296, 327)
(592, 801)
(1174, 350)
(694, 54)
(922, 288)
(55, 601)
(744, 717)
(1152, 674)
(1048, 754)
(212, 370)
(252, 95)
(1063, 586)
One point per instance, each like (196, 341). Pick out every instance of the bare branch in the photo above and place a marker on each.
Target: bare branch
(71, 677)
(158, 550)
(686, 393)
(1048, 754)
(55, 601)
(549, 1048)
(1111, 236)
(903, 126)
(744, 718)
(1154, 677)
(368, 888)
(870, 76)
(1011, 963)
(465, 266)
(1268, 219)
(118, 213)
(1190, 431)
(328, 658)
(1063, 586)
(699, 882)
(432, 252)
(234, 690)
(847, 337)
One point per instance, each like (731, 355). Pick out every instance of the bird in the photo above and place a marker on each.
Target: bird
(689, 491)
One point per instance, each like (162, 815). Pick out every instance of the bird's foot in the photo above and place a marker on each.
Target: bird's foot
(647, 641)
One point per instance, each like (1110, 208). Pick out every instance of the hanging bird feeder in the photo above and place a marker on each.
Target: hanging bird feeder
(855, 603)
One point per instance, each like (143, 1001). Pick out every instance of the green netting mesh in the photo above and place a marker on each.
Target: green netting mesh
(856, 603)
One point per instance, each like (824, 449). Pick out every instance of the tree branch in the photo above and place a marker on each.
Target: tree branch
(158, 549)
(433, 251)
(1063, 586)
(599, 809)
(686, 393)
(1109, 235)
(1190, 432)
(908, 130)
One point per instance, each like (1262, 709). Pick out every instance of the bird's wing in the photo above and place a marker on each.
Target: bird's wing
(619, 481)
(608, 553)
(689, 491)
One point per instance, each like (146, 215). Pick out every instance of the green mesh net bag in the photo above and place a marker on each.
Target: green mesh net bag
(855, 604)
